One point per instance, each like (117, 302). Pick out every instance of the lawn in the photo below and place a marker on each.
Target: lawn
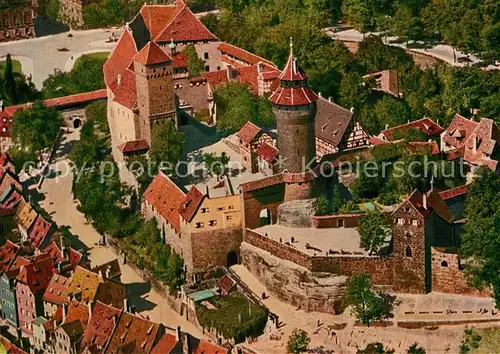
(490, 341)
(98, 55)
(16, 66)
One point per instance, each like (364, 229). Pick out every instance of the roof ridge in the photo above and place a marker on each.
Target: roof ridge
(172, 20)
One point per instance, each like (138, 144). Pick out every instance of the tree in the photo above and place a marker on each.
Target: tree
(52, 9)
(195, 65)
(375, 348)
(10, 87)
(415, 349)
(216, 165)
(323, 206)
(236, 105)
(104, 14)
(480, 239)
(36, 128)
(166, 145)
(298, 341)
(410, 134)
(366, 305)
(372, 231)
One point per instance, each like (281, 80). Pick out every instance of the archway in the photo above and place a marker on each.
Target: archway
(232, 258)
(77, 123)
(265, 217)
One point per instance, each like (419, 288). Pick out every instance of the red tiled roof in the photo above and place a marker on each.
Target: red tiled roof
(434, 203)
(165, 345)
(36, 275)
(226, 283)
(57, 290)
(242, 54)
(455, 192)
(119, 59)
(249, 132)
(111, 292)
(179, 60)
(133, 334)
(74, 257)
(481, 144)
(39, 231)
(156, 16)
(262, 183)
(7, 254)
(124, 89)
(185, 27)
(205, 347)
(132, 146)
(374, 140)
(102, 322)
(78, 311)
(425, 125)
(267, 152)
(459, 130)
(191, 203)
(166, 198)
(54, 252)
(288, 96)
(216, 78)
(292, 72)
(152, 54)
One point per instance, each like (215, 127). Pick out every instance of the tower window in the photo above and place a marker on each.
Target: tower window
(444, 264)
(205, 55)
(408, 251)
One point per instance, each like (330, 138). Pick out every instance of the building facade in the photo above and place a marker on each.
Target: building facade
(16, 20)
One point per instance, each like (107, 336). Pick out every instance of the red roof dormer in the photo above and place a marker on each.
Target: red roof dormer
(293, 90)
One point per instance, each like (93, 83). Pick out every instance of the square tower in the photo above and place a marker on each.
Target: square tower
(155, 90)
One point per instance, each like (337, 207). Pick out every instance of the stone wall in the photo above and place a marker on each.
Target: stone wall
(297, 213)
(447, 277)
(211, 248)
(293, 283)
(277, 249)
(334, 221)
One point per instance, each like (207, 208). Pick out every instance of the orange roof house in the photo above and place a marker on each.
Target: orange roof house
(102, 323)
(57, 290)
(425, 125)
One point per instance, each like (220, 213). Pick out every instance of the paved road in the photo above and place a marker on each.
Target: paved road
(39, 56)
(440, 51)
(58, 202)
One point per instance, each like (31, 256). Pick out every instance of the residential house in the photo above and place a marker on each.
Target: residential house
(40, 232)
(25, 217)
(251, 138)
(67, 337)
(43, 335)
(425, 125)
(32, 281)
(55, 295)
(101, 326)
(386, 81)
(8, 253)
(109, 270)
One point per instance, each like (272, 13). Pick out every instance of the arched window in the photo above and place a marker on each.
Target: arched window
(408, 251)
(444, 264)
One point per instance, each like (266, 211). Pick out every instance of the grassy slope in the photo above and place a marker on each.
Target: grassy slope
(16, 66)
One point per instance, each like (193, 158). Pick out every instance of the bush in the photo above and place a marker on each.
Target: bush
(298, 341)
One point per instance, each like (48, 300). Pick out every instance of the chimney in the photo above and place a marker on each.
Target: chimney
(178, 333)
(207, 192)
(89, 304)
(330, 99)
(319, 94)
(108, 272)
(424, 200)
(103, 274)
(474, 143)
(352, 109)
(132, 309)
(172, 47)
(260, 67)
(125, 304)
(1, 106)
(119, 79)
(63, 312)
(63, 247)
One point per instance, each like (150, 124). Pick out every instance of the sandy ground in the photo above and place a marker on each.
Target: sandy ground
(58, 202)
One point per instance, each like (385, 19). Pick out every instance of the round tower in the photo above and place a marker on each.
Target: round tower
(294, 106)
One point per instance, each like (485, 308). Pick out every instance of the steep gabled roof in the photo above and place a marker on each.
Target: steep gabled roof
(166, 344)
(152, 54)
(36, 275)
(454, 192)
(459, 130)
(166, 198)
(243, 55)
(8, 253)
(124, 89)
(110, 269)
(133, 334)
(185, 27)
(39, 231)
(119, 59)
(249, 132)
(427, 203)
(156, 17)
(267, 152)
(101, 325)
(57, 290)
(191, 203)
(331, 121)
(85, 282)
(78, 311)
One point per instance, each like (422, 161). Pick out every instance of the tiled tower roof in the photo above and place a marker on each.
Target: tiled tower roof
(152, 54)
(293, 90)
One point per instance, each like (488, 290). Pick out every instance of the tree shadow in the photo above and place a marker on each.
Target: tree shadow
(135, 293)
(73, 240)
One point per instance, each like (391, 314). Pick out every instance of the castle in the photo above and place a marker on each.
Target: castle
(267, 217)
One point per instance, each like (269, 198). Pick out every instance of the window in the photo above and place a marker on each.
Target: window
(207, 68)
(414, 222)
(220, 209)
(340, 223)
(205, 55)
(205, 210)
(231, 207)
(408, 251)
(212, 223)
(444, 264)
(408, 234)
(401, 221)
(200, 225)
(229, 217)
